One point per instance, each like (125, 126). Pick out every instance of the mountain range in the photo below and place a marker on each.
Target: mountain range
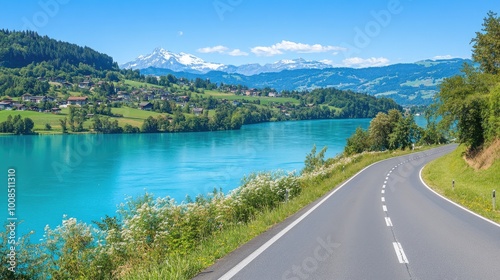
(184, 62)
(406, 83)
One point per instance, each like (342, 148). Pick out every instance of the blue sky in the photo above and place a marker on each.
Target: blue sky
(355, 33)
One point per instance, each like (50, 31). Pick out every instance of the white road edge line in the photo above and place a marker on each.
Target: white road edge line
(454, 203)
(388, 221)
(399, 252)
(228, 275)
(237, 268)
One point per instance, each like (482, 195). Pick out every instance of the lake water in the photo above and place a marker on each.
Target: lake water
(87, 176)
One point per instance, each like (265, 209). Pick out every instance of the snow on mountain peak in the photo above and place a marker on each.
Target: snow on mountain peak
(185, 62)
(162, 58)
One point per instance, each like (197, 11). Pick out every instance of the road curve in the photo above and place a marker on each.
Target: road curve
(383, 223)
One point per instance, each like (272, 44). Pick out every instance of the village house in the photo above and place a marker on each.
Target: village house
(58, 80)
(19, 107)
(123, 95)
(197, 111)
(26, 97)
(36, 99)
(5, 105)
(183, 98)
(146, 106)
(76, 100)
(165, 96)
(251, 92)
(85, 84)
(67, 85)
(147, 95)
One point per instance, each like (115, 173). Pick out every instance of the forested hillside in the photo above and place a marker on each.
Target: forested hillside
(19, 49)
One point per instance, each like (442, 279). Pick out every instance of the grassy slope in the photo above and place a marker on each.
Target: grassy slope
(40, 119)
(219, 245)
(263, 100)
(140, 84)
(473, 187)
(131, 116)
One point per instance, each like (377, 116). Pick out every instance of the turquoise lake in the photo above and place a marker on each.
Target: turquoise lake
(87, 176)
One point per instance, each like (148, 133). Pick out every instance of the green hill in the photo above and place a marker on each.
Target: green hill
(21, 48)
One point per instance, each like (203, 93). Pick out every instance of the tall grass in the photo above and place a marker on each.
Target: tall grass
(156, 238)
(473, 187)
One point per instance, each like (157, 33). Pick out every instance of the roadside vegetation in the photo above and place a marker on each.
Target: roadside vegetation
(470, 105)
(457, 179)
(157, 238)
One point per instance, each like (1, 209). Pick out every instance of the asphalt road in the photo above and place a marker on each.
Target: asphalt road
(384, 223)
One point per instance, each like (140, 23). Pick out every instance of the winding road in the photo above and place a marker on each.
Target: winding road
(383, 223)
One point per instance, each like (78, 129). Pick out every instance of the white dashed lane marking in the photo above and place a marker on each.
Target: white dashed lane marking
(399, 252)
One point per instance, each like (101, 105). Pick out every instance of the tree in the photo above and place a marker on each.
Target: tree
(236, 120)
(359, 142)
(64, 125)
(97, 124)
(380, 128)
(150, 125)
(493, 123)
(486, 48)
(470, 102)
(405, 133)
(313, 160)
(28, 126)
(18, 124)
(112, 76)
(463, 101)
(130, 129)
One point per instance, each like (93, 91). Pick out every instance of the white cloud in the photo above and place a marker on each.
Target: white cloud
(304, 48)
(237, 52)
(438, 57)
(223, 50)
(358, 62)
(290, 46)
(180, 33)
(265, 51)
(216, 49)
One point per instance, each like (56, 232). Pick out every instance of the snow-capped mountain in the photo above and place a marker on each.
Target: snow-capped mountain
(161, 58)
(183, 62)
